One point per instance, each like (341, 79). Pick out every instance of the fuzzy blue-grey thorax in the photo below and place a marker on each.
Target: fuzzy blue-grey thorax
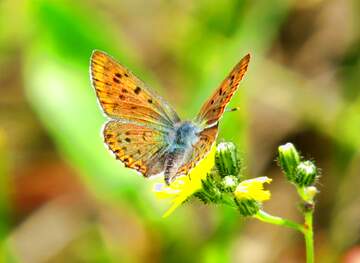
(185, 134)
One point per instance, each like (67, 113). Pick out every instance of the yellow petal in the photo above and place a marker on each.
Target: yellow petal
(253, 189)
(185, 186)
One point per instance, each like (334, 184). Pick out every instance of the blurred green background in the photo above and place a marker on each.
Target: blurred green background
(63, 198)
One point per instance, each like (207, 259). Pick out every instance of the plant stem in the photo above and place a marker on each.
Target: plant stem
(275, 220)
(309, 237)
(308, 211)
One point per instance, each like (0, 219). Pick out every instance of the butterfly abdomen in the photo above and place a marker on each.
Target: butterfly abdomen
(173, 161)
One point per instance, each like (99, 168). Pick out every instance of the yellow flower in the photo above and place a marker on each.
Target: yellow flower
(185, 186)
(253, 189)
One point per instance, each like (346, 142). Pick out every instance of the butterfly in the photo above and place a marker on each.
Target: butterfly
(143, 130)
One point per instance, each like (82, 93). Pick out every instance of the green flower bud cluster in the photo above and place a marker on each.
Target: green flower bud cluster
(301, 173)
(224, 185)
(223, 180)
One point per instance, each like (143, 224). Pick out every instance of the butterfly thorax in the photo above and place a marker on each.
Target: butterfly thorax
(185, 134)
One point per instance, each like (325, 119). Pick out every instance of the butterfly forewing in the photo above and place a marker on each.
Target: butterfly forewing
(214, 107)
(206, 139)
(126, 98)
(138, 147)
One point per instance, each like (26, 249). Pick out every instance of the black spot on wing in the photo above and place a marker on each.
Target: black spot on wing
(137, 90)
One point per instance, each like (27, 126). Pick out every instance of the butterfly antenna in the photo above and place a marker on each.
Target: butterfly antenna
(232, 109)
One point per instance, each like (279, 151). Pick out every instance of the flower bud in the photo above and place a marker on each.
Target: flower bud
(226, 159)
(247, 207)
(229, 183)
(209, 193)
(289, 159)
(306, 173)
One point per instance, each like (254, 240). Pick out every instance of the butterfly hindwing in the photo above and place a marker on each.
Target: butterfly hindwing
(214, 107)
(138, 147)
(124, 97)
(206, 139)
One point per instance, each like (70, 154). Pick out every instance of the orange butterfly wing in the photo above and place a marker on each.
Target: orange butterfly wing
(214, 107)
(206, 139)
(138, 147)
(126, 98)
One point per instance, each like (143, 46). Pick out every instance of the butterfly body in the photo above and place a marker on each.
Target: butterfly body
(180, 140)
(144, 132)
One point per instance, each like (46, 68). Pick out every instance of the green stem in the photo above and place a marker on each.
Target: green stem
(309, 237)
(275, 220)
(308, 223)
